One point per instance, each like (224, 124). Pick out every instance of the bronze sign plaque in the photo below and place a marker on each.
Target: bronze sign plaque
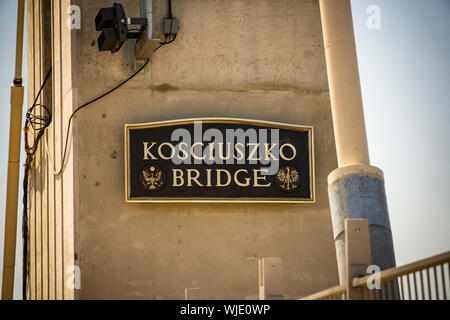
(219, 160)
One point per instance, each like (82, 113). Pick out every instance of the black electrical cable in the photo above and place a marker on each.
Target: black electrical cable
(30, 119)
(40, 123)
(33, 121)
(28, 165)
(25, 234)
(167, 36)
(174, 36)
(92, 101)
(42, 86)
(115, 88)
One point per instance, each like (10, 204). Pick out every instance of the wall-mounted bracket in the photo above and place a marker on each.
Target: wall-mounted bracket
(135, 55)
(146, 46)
(136, 52)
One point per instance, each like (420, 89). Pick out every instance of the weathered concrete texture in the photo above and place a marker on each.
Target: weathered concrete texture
(361, 195)
(244, 59)
(256, 59)
(51, 200)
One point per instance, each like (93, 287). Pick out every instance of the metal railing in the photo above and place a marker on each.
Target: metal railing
(334, 293)
(427, 279)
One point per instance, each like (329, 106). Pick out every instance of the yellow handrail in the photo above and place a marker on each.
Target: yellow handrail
(331, 292)
(393, 273)
(339, 292)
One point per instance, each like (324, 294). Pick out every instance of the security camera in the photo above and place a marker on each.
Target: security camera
(113, 23)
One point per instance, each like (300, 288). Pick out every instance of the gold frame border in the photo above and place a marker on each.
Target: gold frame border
(167, 123)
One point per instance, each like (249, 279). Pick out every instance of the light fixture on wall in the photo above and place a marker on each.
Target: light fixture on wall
(114, 23)
(136, 33)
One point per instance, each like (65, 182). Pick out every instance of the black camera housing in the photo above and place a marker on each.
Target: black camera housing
(113, 24)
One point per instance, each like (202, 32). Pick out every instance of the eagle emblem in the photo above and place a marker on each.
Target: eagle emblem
(288, 179)
(152, 178)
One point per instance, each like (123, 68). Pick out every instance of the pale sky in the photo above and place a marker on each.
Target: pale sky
(405, 78)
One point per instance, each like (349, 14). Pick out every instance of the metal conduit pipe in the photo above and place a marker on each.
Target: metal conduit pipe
(15, 130)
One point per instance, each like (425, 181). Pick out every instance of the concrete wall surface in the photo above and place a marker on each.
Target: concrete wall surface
(51, 198)
(254, 59)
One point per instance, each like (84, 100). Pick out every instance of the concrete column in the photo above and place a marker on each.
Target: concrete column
(356, 189)
(343, 80)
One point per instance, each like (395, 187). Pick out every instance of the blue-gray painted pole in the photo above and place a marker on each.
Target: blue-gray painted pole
(355, 189)
(357, 192)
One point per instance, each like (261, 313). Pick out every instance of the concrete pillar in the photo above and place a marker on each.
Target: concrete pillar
(356, 189)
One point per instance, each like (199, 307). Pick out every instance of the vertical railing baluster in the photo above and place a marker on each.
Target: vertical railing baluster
(448, 273)
(436, 283)
(383, 290)
(396, 289)
(389, 295)
(443, 282)
(421, 284)
(416, 294)
(373, 294)
(404, 288)
(400, 287)
(408, 285)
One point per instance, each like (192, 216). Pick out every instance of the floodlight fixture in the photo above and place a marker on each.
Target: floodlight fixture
(114, 23)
